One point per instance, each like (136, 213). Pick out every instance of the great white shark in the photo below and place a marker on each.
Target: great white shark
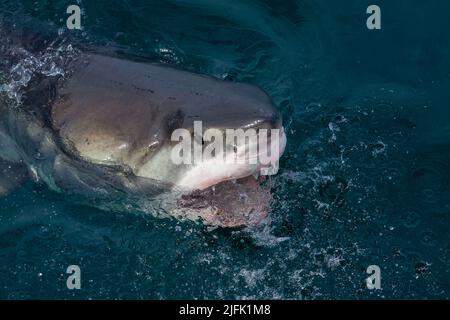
(103, 128)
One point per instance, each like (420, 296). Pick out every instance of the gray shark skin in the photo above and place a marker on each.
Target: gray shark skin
(102, 133)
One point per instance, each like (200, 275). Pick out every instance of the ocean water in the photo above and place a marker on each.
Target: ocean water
(365, 179)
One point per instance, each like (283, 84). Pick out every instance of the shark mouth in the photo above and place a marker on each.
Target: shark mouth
(221, 202)
(244, 202)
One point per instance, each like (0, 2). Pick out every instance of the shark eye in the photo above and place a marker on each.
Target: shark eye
(175, 121)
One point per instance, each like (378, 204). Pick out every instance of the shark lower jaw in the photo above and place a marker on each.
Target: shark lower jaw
(229, 204)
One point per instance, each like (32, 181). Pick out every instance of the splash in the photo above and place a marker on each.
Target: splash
(49, 63)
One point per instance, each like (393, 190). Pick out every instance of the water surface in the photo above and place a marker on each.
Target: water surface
(365, 178)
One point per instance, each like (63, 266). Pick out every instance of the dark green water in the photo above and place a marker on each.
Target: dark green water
(365, 179)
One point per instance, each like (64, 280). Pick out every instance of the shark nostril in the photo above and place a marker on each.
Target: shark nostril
(275, 120)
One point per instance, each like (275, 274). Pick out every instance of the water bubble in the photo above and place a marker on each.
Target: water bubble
(422, 269)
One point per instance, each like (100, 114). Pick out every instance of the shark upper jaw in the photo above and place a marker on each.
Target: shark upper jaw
(211, 172)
